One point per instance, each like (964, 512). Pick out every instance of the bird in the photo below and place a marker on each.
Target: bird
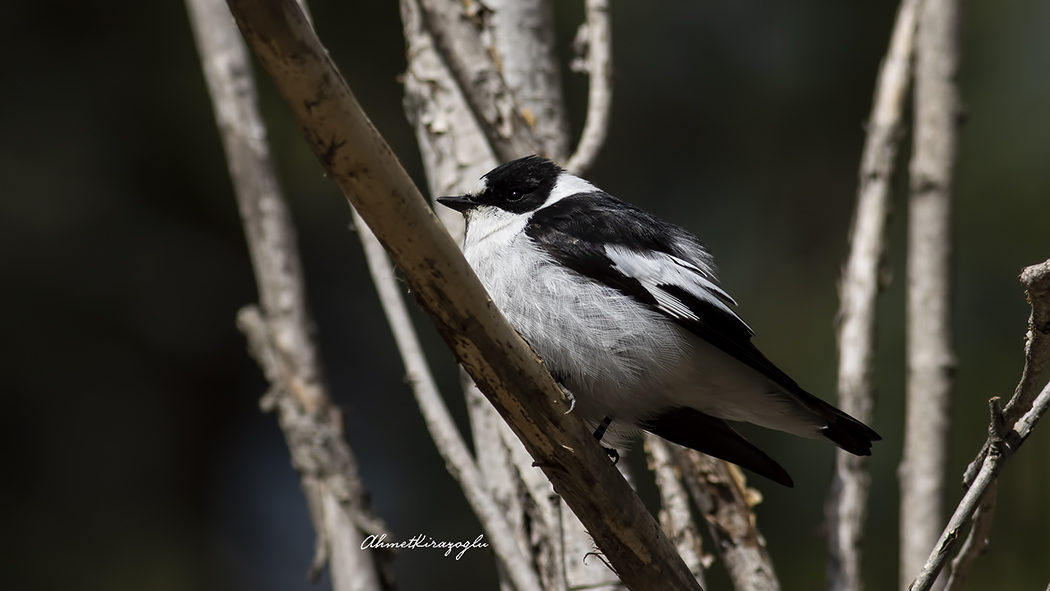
(628, 315)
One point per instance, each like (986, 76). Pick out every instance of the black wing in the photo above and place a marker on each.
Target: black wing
(714, 437)
(665, 267)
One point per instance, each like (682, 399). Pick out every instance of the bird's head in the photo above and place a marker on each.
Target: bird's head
(518, 187)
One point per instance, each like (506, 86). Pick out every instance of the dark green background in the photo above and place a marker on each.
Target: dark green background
(136, 457)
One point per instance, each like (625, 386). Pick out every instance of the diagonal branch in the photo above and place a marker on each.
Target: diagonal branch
(439, 422)
(976, 541)
(357, 158)
(1002, 449)
(596, 34)
(858, 292)
(280, 336)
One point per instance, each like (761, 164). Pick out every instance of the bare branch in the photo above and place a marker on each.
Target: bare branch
(931, 363)
(327, 468)
(522, 43)
(675, 517)
(976, 541)
(597, 34)
(454, 149)
(357, 158)
(439, 422)
(1036, 280)
(721, 493)
(479, 78)
(1023, 427)
(858, 291)
(281, 338)
(1001, 450)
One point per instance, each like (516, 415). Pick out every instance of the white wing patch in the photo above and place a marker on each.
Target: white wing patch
(653, 269)
(706, 276)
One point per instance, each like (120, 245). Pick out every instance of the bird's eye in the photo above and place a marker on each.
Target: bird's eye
(514, 196)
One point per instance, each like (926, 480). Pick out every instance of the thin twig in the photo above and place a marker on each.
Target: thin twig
(976, 541)
(858, 292)
(720, 491)
(1002, 449)
(510, 374)
(1036, 280)
(597, 32)
(439, 422)
(280, 336)
(931, 363)
(492, 102)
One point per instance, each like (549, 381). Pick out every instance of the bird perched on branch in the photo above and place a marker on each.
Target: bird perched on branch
(626, 311)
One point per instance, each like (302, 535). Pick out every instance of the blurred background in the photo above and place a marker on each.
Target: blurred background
(137, 455)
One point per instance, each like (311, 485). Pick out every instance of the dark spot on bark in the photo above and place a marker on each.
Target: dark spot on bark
(329, 149)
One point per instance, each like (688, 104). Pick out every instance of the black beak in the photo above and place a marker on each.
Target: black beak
(460, 203)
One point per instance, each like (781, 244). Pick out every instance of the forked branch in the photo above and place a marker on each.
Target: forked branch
(1003, 438)
(280, 334)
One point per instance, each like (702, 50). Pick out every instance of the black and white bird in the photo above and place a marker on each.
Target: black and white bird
(626, 311)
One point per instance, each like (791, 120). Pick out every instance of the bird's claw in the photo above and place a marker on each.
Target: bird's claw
(568, 396)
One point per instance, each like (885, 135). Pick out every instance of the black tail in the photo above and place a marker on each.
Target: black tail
(704, 433)
(849, 433)
(841, 429)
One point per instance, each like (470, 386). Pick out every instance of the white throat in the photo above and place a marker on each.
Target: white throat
(491, 228)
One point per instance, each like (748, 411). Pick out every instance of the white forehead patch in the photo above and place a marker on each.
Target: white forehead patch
(479, 188)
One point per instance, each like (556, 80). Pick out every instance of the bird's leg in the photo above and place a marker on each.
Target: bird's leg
(602, 428)
(599, 433)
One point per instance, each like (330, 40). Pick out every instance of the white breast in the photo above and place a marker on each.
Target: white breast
(604, 346)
